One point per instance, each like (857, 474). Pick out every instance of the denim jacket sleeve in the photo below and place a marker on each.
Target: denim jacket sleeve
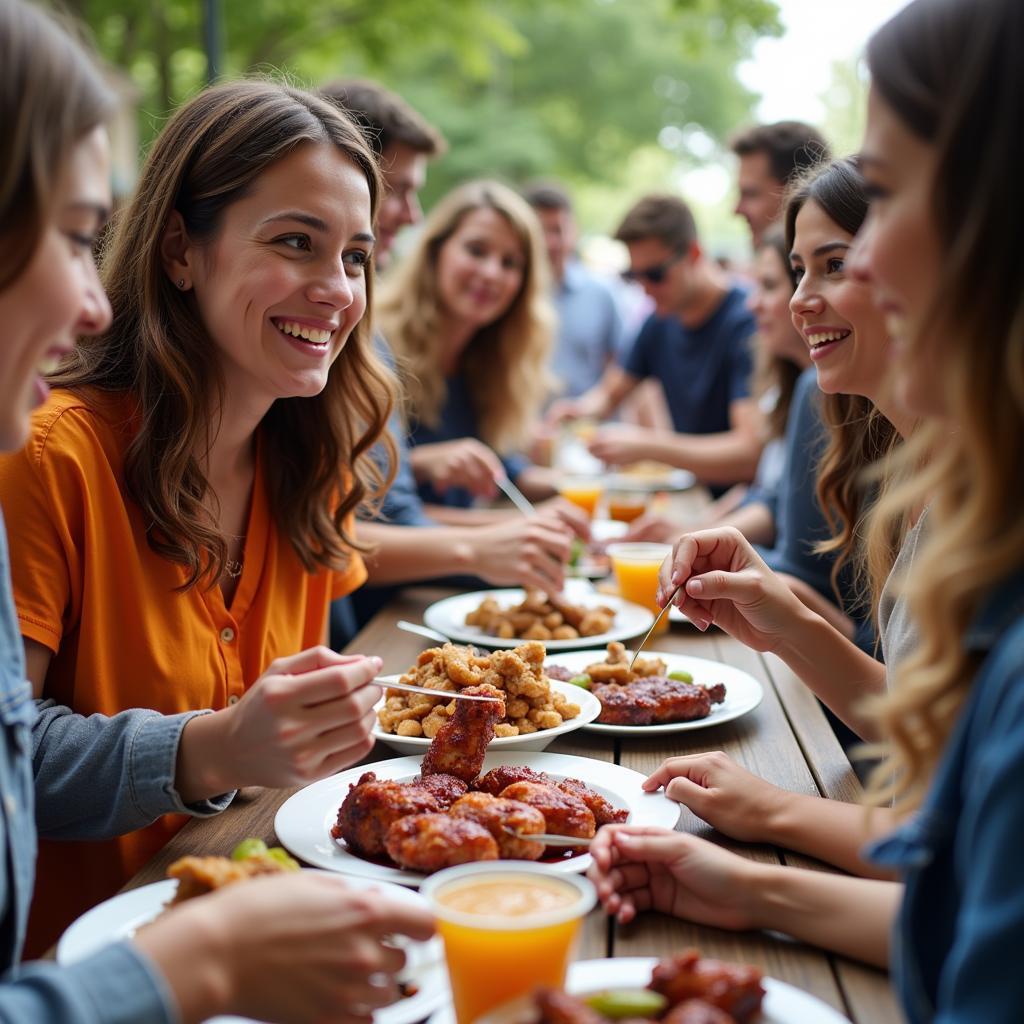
(98, 776)
(116, 985)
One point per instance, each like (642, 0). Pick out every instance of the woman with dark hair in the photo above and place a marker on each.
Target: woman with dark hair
(241, 949)
(938, 252)
(182, 514)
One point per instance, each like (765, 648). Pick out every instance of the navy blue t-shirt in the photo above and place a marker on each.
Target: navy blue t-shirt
(458, 420)
(702, 369)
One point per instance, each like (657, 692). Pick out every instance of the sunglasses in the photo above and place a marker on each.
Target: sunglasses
(655, 274)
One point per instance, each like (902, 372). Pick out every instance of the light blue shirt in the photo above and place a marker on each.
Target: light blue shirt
(590, 330)
(78, 778)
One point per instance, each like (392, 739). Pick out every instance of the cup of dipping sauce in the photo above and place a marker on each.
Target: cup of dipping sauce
(507, 928)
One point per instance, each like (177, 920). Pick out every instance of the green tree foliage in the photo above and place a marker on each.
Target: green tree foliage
(521, 88)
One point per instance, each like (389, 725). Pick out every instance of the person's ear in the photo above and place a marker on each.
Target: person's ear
(177, 253)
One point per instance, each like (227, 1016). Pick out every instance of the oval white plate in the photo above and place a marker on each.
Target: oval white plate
(303, 823)
(783, 1003)
(590, 708)
(120, 916)
(742, 691)
(449, 617)
(670, 480)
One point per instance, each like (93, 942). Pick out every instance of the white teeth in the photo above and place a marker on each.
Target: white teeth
(312, 334)
(821, 339)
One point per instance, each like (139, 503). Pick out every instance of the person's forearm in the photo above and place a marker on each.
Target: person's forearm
(722, 458)
(407, 554)
(830, 830)
(451, 515)
(754, 521)
(834, 668)
(851, 916)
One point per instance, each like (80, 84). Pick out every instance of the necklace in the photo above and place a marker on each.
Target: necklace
(233, 568)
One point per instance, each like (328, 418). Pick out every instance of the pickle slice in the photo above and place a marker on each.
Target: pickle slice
(582, 680)
(627, 1002)
(247, 848)
(681, 676)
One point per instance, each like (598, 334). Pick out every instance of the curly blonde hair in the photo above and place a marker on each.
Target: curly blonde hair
(505, 362)
(944, 71)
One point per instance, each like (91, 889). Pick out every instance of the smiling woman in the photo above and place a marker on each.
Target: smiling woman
(183, 510)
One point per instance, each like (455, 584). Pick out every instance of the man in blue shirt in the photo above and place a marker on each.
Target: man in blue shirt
(697, 343)
(590, 329)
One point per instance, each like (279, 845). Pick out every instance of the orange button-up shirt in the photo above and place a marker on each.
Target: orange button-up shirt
(88, 586)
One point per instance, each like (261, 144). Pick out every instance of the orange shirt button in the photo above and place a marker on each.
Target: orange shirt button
(233, 699)
(227, 635)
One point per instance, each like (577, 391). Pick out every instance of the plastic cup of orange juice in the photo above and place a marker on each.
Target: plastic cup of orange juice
(582, 491)
(636, 572)
(625, 506)
(507, 928)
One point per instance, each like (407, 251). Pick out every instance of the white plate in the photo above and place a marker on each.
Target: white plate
(303, 823)
(670, 480)
(783, 1003)
(449, 617)
(590, 708)
(122, 915)
(742, 691)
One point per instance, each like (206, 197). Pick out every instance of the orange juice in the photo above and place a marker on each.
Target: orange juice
(636, 572)
(506, 930)
(626, 507)
(585, 493)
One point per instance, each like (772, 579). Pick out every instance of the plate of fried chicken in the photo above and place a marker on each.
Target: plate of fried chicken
(693, 988)
(406, 818)
(661, 693)
(505, 618)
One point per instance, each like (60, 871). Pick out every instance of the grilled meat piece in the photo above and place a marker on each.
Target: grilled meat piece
(495, 814)
(733, 988)
(430, 842)
(460, 744)
(372, 806)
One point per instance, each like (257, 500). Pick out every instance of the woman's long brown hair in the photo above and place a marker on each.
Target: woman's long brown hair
(157, 351)
(51, 96)
(860, 439)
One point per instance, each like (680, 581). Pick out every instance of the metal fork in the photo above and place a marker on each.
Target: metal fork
(654, 626)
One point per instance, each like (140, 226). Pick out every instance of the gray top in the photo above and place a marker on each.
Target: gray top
(75, 777)
(896, 628)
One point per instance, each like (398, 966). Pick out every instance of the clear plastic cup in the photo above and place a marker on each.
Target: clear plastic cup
(636, 573)
(507, 926)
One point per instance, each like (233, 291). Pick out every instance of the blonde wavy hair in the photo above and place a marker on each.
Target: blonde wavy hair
(952, 75)
(505, 362)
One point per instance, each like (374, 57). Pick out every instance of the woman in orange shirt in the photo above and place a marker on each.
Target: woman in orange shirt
(181, 516)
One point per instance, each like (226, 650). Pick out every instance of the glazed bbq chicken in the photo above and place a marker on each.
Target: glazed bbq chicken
(564, 815)
(496, 815)
(430, 842)
(372, 806)
(735, 989)
(460, 744)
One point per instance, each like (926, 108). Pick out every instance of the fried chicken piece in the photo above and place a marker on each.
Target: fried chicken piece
(697, 1011)
(571, 614)
(199, 875)
(734, 988)
(716, 692)
(497, 814)
(558, 1007)
(564, 814)
(430, 842)
(624, 705)
(445, 789)
(504, 775)
(605, 813)
(596, 621)
(372, 806)
(460, 744)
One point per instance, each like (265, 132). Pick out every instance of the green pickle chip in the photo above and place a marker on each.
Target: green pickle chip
(681, 676)
(627, 1002)
(248, 848)
(283, 857)
(581, 680)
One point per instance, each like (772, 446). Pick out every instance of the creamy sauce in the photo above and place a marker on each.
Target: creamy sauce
(507, 897)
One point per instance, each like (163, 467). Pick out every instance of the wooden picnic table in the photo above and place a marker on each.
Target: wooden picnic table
(786, 740)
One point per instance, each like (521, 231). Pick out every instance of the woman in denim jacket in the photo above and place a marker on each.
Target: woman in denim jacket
(300, 947)
(941, 157)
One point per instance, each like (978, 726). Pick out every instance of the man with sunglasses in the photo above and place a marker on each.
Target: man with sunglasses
(697, 343)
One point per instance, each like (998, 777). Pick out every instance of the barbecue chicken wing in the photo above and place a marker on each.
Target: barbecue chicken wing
(495, 814)
(430, 842)
(604, 812)
(558, 1007)
(460, 744)
(504, 775)
(564, 814)
(733, 988)
(372, 806)
(445, 789)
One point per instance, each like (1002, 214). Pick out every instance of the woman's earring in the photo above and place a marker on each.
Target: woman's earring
(181, 282)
